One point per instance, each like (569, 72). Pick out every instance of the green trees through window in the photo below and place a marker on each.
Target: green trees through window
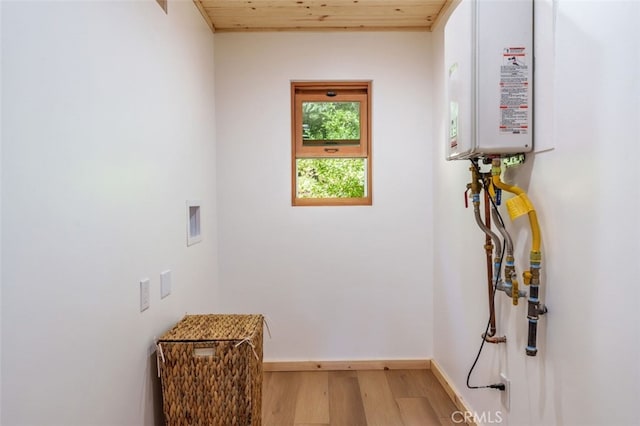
(329, 123)
(331, 177)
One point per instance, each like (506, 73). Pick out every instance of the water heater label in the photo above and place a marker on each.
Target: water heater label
(514, 91)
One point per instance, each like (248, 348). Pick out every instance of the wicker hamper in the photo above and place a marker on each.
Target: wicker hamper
(211, 371)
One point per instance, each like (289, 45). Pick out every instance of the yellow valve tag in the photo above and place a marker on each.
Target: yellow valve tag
(519, 206)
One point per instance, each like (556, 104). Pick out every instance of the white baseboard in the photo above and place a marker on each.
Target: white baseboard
(396, 364)
(455, 397)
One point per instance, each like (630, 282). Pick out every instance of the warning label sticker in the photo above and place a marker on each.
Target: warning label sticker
(514, 91)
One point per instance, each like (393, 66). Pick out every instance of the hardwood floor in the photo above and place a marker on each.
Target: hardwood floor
(355, 398)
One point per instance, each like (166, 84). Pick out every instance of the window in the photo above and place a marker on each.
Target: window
(331, 143)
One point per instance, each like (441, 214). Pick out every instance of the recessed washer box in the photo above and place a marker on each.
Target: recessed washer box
(194, 230)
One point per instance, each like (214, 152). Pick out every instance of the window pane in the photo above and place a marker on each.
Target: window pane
(331, 177)
(330, 123)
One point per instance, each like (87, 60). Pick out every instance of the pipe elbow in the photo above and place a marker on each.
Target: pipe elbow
(494, 339)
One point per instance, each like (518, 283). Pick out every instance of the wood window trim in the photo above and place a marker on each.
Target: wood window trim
(345, 90)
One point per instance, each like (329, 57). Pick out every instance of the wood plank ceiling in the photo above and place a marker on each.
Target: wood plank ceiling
(321, 15)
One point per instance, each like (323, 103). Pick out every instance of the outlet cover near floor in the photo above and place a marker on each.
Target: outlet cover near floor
(506, 393)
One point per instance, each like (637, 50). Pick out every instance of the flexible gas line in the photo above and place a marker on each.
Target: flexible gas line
(517, 207)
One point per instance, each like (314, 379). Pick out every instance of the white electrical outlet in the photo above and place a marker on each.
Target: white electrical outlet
(505, 395)
(145, 295)
(165, 284)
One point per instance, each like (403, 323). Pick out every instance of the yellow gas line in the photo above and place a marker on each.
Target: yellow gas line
(518, 206)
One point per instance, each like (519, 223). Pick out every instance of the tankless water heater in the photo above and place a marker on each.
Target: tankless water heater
(489, 64)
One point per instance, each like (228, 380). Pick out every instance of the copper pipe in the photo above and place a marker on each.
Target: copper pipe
(476, 186)
(494, 339)
(491, 337)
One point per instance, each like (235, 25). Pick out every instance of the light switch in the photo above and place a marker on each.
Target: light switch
(165, 284)
(145, 295)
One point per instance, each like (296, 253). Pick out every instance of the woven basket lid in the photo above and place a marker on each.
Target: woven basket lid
(214, 327)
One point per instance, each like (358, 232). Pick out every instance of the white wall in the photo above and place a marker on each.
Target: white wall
(108, 128)
(585, 191)
(1, 185)
(337, 283)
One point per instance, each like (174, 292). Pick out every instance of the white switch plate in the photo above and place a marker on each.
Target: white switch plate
(165, 284)
(145, 295)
